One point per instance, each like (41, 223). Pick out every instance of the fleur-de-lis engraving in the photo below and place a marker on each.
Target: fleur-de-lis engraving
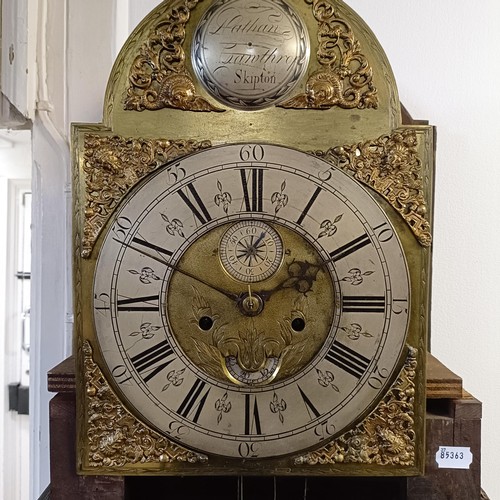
(173, 226)
(223, 199)
(355, 276)
(174, 378)
(222, 405)
(355, 331)
(280, 199)
(278, 407)
(329, 228)
(146, 275)
(326, 379)
(146, 331)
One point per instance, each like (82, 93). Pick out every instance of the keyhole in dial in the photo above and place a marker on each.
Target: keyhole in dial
(206, 323)
(298, 324)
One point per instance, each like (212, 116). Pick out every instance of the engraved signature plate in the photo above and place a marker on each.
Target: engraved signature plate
(249, 54)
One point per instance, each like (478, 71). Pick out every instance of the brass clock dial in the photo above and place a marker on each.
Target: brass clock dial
(250, 54)
(256, 301)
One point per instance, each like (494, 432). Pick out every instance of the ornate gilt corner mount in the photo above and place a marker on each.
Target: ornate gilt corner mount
(385, 437)
(112, 165)
(158, 77)
(115, 437)
(345, 78)
(391, 166)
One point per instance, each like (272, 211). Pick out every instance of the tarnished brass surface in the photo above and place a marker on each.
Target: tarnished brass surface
(345, 78)
(112, 165)
(115, 437)
(267, 335)
(386, 436)
(158, 77)
(392, 166)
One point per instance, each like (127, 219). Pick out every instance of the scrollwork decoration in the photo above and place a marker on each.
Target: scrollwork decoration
(345, 78)
(115, 437)
(158, 76)
(385, 437)
(112, 165)
(391, 165)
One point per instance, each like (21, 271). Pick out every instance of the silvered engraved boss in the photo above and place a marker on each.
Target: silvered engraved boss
(249, 54)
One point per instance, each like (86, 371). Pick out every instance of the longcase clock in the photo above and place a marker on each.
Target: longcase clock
(252, 234)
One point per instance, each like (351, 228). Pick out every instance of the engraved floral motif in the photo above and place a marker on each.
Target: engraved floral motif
(147, 331)
(277, 407)
(279, 198)
(356, 276)
(222, 405)
(174, 226)
(327, 379)
(111, 166)
(345, 78)
(223, 199)
(355, 331)
(391, 165)
(385, 437)
(146, 275)
(174, 378)
(329, 228)
(114, 437)
(158, 76)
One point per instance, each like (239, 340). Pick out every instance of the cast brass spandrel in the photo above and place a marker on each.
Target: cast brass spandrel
(392, 166)
(386, 436)
(345, 77)
(112, 165)
(115, 438)
(158, 77)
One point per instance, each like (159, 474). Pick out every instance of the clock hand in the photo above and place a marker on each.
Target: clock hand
(233, 296)
(301, 276)
(259, 239)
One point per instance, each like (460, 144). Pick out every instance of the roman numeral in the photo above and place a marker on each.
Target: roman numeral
(194, 401)
(153, 360)
(197, 206)
(308, 206)
(144, 304)
(347, 359)
(253, 191)
(311, 409)
(363, 304)
(156, 248)
(252, 418)
(349, 248)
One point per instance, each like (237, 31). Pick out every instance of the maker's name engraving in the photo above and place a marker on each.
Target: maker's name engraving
(250, 52)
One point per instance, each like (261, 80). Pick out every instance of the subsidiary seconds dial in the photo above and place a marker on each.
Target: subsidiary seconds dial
(251, 251)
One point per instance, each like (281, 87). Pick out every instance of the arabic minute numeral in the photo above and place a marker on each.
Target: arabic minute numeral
(121, 228)
(384, 232)
(400, 306)
(252, 152)
(248, 450)
(324, 430)
(121, 374)
(378, 378)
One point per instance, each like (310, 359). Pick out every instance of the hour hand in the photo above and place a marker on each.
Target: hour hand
(301, 276)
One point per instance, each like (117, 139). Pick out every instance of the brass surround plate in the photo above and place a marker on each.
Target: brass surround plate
(367, 141)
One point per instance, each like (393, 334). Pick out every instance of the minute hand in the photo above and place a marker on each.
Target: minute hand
(230, 295)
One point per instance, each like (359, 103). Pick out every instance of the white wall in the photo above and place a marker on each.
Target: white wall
(444, 55)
